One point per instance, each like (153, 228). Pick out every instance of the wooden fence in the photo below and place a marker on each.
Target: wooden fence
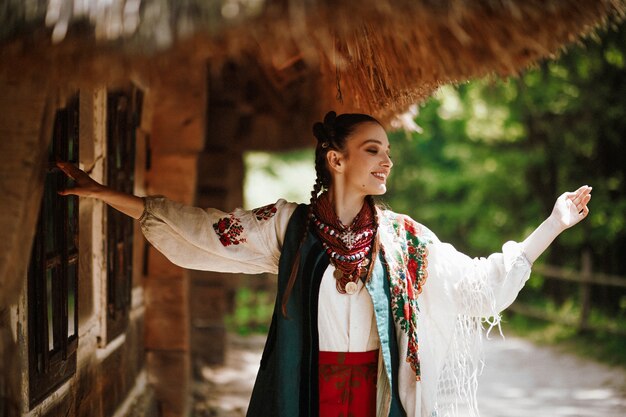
(586, 278)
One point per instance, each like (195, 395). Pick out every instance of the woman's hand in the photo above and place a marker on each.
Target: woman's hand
(571, 208)
(85, 185)
(128, 204)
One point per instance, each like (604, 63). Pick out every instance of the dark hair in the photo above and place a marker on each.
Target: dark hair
(331, 134)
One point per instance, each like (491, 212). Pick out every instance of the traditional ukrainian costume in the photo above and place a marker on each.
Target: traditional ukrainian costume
(388, 332)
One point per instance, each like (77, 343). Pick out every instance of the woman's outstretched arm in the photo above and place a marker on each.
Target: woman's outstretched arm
(248, 241)
(483, 287)
(569, 209)
(86, 187)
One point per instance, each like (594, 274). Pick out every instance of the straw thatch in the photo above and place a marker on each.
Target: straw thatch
(373, 56)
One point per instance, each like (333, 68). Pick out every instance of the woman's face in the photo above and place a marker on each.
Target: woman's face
(365, 163)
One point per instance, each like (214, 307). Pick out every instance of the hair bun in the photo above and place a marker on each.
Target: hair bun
(329, 124)
(325, 131)
(330, 117)
(319, 132)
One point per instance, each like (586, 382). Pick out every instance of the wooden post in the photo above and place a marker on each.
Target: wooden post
(585, 291)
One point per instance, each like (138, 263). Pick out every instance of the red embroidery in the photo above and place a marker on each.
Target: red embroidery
(265, 212)
(229, 229)
(413, 227)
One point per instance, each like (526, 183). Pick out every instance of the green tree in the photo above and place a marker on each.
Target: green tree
(495, 154)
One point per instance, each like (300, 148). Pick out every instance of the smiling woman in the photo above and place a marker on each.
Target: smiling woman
(369, 163)
(374, 315)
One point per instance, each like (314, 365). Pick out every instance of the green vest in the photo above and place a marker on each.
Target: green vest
(287, 382)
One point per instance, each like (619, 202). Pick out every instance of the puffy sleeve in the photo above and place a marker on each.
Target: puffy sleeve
(480, 287)
(246, 241)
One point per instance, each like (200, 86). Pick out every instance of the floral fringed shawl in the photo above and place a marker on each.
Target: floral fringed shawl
(452, 296)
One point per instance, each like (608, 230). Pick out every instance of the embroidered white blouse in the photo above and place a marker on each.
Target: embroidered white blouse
(251, 241)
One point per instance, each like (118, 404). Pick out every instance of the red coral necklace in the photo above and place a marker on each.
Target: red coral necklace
(347, 246)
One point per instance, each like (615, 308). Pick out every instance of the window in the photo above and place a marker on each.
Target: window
(123, 116)
(53, 269)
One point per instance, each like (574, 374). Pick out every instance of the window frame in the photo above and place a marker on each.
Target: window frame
(123, 119)
(53, 274)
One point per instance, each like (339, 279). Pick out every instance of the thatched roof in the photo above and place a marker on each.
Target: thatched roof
(376, 56)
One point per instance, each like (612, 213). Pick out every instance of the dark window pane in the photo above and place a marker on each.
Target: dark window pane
(72, 223)
(50, 304)
(72, 130)
(39, 362)
(71, 152)
(120, 277)
(59, 131)
(49, 209)
(71, 300)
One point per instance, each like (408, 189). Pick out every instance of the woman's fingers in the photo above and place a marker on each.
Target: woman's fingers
(571, 207)
(580, 191)
(85, 186)
(585, 211)
(69, 191)
(73, 172)
(67, 169)
(581, 202)
(585, 202)
(579, 195)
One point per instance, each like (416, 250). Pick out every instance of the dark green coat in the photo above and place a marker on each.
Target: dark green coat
(287, 382)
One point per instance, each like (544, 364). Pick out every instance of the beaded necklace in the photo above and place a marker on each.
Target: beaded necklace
(347, 246)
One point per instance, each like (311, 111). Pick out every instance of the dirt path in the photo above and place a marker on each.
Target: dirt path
(226, 390)
(520, 380)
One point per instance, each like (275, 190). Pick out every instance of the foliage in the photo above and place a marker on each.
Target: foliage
(252, 312)
(495, 154)
(288, 175)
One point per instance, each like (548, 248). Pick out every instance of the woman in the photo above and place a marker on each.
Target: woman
(374, 315)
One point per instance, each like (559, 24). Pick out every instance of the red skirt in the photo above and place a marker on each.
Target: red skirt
(347, 383)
